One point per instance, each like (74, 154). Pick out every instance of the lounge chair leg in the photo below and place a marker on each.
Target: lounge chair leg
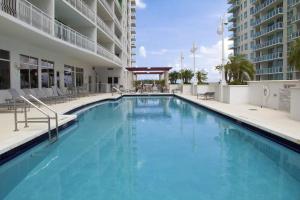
(16, 120)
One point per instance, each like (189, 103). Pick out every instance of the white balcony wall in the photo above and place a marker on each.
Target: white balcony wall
(45, 5)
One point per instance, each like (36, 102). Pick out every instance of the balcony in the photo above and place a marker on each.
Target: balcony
(232, 18)
(104, 52)
(73, 37)
(294, 18)
(294, 36)
(292, 3)
(268, 16)
(119, 7)
(117, 41)
(103, 26)
(269, 29)
(233, 7)
(268, 57)
(232, 27)
(269, 43)
(271, 70)
(262, 7)
(82, 8)
(107, 7)
(31, 15)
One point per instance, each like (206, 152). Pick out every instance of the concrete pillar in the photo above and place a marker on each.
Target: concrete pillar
(166, 77)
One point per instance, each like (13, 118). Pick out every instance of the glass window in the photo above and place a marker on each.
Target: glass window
(110, 80)
(47, 73)
(116, 80)
(79, 77)
(4, 70)
(28, 72)
(69, 76)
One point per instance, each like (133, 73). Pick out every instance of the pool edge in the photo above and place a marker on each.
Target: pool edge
(14, 152)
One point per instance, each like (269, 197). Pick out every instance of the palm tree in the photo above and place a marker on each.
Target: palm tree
(238, 70)
(187, 75)
(201, 77)
(294, 55)
(174, 76)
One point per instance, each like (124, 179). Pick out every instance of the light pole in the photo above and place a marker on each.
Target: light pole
(193, 51)
(220, 31)
(181, 67)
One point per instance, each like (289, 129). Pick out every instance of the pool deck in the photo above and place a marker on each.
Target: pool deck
(272, 121)
(10, 139)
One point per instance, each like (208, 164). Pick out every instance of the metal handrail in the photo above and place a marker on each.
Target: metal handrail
(49, 108)
(117, 90)
(48, 118)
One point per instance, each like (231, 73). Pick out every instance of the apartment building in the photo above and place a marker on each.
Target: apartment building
(263, 30)
(63, 43)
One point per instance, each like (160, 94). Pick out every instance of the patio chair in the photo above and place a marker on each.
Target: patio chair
(206, 95)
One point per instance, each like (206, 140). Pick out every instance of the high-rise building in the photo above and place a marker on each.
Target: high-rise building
(77, 43)
(263, 31)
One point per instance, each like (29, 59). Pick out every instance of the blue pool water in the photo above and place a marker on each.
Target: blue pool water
(154, 148)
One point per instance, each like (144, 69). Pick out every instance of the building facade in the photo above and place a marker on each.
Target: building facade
(66, 43)
(264, 30)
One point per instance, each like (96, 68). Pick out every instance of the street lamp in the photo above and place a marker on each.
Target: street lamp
(221, 30)
(193, 51)
(181, 68)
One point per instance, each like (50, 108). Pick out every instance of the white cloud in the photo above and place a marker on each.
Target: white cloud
(141, 4)
(160, 52)
(143, 52)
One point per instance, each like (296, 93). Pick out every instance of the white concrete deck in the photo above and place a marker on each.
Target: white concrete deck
(10, 139)
(272, 121)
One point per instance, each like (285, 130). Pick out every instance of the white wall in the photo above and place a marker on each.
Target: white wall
(295, 103)
(278, 97)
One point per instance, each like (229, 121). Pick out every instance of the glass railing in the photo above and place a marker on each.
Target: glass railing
(270, 70)
(294, 35)
(82, 8)
(268, 43)
(104, 26)
(262, 6)
(268, 57)
(118, 6)
(268, 16)
(71, 36)
(232, 26)
(269, 29)
(292, 3)
(233, 6)
(294, 18)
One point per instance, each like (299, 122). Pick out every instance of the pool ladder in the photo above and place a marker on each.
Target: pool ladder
(52, 135)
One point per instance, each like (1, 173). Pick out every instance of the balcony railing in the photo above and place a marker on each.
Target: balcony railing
(294, 35)
(268, 43)
(29, 14)
(118, 6)
(82, 8)
(271, 70)
(104, 26)
(277, 26)
(104, 52)
(268, 57)
(268, 16)
(71, 36)
(107, 6)
(292, 3)
(294, 18)
(262, 6)
(117, 41)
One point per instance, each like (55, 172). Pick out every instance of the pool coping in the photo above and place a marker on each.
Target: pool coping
(14, 152)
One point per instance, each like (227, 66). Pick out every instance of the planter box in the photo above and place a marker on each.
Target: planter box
(236, 94)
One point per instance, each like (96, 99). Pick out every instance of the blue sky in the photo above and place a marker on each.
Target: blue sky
(167, 27)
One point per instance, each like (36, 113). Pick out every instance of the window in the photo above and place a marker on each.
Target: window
(47, 73)
(28, 72)
(69, 76)
(58, 79)
(79, 77)
(110, 80)
(4, 70)
(116, 80)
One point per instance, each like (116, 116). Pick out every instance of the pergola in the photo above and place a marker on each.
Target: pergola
(163, 72)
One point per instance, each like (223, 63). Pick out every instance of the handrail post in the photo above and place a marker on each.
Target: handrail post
(16, 117)
(25, 116)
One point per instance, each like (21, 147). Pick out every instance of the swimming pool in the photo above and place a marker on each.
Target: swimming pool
(154, 148)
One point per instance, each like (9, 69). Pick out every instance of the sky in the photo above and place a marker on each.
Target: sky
(165, 28)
